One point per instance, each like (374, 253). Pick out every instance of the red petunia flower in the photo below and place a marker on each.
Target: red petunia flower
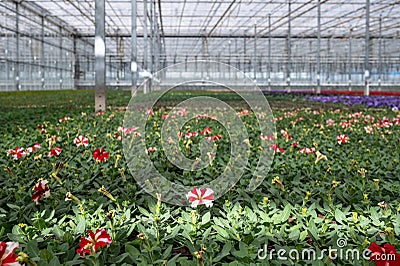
(384, 256)
(93, 242)
(42, 190)
(81, 141)
(7, 256)
(151, 149)
(198, 196)
(341, 139)
(16, 153)
(100, 155)
(55, 152)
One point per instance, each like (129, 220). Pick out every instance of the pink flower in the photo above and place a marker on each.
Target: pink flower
(7, 256)
(341, 139)
(149, 112)
(330, 123)
(100, 155)
(91, 244)
(151, 149)
(215, 138)
(126, 131)
(206, 131)
(81, 141)
(42, 190)
(16, 153)
(277, 149)
(55, 152)
(382, 204)
(199, 196)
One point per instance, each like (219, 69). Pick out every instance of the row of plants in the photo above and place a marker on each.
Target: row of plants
(67, 197)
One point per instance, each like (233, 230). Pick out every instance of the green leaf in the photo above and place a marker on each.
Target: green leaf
(222, 232)
(32, 249)
(224, 252)
(206, 218)
(133, 252)
(339, 216)
(313, 230)
(285, 214)
(80, 228)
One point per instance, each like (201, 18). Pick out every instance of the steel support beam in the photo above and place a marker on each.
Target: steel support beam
(255, 54)
(319, 47)
(288, 64)
(350, 57)
(76, 64)
(269, 51)
(134, 66)
(60, 59)
(16, 69)
(367, 66)
(380, 69)
(100, 55)
(42, 61)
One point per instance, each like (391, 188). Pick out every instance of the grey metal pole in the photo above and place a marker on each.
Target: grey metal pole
(367, 70)
(380, 54)
(319, 47)
(288, 47)
(269, 51)
(76, 64)
(151, 18)
(255, 54)
(145, 38)
(42, 72)
(60, 60)
(17, 71)
(134, 65)
(350, 57)
(100, 55)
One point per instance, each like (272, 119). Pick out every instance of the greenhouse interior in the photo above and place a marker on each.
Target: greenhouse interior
(200, 132)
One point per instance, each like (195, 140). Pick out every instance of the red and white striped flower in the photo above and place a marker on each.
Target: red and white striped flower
(55, 152)
(369, 129)
(199, 196)
(270, 138)
(16, 153)
(33, 148)
(276, 148)
(306, 150)
(206, 131)
(100, 155)
(342, 139)
(81, 141)
(286, 134)
(91, 244)
(42, 190)
(7, 256)
(64, 119)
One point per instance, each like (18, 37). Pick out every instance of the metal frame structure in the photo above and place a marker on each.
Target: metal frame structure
(51, 44)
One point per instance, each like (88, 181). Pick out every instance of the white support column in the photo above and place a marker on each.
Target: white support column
(100, 55)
